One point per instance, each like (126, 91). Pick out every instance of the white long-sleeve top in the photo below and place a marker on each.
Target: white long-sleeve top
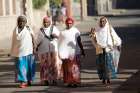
(22, 42)
(106, 37)
(68, 45)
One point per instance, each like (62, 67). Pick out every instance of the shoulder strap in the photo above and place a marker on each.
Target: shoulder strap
(51, 29)
(42, 30)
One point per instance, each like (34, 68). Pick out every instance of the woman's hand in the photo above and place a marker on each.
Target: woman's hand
(119, 48)
(92, 32)
(83, 53)
(53, 36)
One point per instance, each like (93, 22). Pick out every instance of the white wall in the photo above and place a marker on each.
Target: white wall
(7, 25)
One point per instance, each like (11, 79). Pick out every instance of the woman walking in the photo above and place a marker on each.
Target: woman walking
(22, 50)
(105, 40)
(48, 52)
(70, 48)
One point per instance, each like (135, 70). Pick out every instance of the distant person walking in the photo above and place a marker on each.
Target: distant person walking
(22, 49)
(63, 12)
(106, 42)
(70, 49)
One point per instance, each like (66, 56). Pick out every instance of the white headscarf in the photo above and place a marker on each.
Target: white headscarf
(106, 36)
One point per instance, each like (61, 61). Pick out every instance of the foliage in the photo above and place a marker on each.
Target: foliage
(55, 3)
(77, 1)
(37, 4)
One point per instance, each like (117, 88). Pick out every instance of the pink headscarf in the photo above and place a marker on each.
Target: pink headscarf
(47, 18)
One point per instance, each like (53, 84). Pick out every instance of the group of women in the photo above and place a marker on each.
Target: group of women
(59, 52)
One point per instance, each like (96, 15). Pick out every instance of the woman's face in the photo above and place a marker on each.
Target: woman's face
(21, 22)
(46, 23)
(69, 25)
(102, 22)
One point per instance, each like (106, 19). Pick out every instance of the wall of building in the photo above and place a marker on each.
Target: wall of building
(103, 6)
(38, 15)
(9, 11)
(76, 8)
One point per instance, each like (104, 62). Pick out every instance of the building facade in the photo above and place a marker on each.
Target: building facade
(86, 8)
(9, 10)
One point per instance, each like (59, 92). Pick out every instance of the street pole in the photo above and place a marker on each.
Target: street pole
(24, 8)
(81, 8)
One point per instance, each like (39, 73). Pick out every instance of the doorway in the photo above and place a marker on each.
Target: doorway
(91, 11)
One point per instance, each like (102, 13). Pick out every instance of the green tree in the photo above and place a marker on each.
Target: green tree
(37, 4)
(55, 2)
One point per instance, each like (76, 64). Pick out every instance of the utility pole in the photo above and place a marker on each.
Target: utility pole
(24, 7)
(81, 8)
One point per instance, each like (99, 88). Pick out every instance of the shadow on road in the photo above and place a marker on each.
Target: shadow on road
(129, 65)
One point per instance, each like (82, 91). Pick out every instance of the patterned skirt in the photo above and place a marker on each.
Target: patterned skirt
(71, 71)
(49, 68)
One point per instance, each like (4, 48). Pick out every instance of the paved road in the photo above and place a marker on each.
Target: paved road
(129, 68)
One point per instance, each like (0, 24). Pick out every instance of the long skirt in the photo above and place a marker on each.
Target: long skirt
(48, 67)
(105, 66)
(25, 68)
(71, 70)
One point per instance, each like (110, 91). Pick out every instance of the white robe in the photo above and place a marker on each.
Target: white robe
(22, 42)
(106, 37)
(68, 46)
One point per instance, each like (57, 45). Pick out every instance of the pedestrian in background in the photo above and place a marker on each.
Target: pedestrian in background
(48, 52)
(63, 12)
(106, 41)
(54, 15)
(22, 49)
(70, 49)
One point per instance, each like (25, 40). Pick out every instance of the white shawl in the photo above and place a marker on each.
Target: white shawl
(106, 36)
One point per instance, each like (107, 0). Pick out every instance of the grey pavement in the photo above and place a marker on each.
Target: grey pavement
(128, 80)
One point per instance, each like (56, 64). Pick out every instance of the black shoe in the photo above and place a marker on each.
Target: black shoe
(74, 85)
(54, 83)
(108, 81)
(29, 83)
(69, 85)
(104, 81)
(46, 83)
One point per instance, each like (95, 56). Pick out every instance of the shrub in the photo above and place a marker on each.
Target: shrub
(37, 4)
